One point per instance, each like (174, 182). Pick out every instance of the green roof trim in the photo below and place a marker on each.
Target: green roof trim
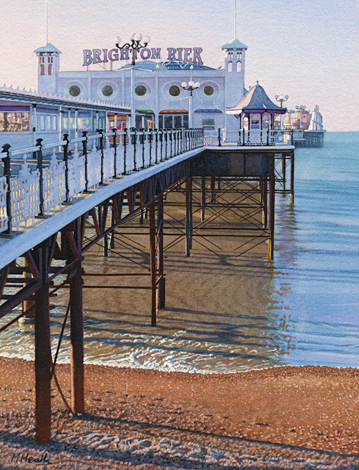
(146, 111)
(235, 44)
(48, 48)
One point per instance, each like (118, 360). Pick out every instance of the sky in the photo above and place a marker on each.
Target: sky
(306, 49)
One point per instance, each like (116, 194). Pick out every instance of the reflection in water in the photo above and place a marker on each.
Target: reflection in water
(222, 315)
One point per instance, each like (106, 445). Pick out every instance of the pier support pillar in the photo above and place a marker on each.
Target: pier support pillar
(271, 208)
(283, 171)
(188, 222)
(42, 352)
(77, 342)
(264, 197)
(203, 199)
(161, 291)
(153, 264)
(73, 249)
(213, 195)
(292, 178)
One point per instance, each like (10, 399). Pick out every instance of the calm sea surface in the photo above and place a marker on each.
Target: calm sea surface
(308, 310)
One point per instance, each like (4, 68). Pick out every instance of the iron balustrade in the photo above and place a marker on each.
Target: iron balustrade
(250, 138)
(37, 180)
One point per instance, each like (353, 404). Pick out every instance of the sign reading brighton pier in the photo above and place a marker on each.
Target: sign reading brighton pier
(182, 54)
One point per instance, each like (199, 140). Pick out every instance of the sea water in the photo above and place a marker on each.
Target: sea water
(307, 312)
(317, 245)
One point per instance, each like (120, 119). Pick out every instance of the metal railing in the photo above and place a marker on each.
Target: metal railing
(252, 138)
(38, 180)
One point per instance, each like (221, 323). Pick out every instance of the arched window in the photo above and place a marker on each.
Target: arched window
(49, 69)
(266, 121)
(255, 122)
(245, 122)
(42, 69)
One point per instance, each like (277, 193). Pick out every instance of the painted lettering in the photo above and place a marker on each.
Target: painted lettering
(181, 54)
(96, 56)
(187, 52)
(156, 53)
(171, 53)
(124, 54)
(87, 57)
(113, 55)
(197, 55)
(145, 53)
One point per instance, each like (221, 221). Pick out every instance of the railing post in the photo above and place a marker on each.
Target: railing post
(41, 179)
(161, 144)
(134, 140)
(219, 137)
(167, 136)
(143, 146)
(66, 160)
(150, 135)
(102, 154)
(6, 161)
(125, 149)
(84, 153)
(114, 130)
(156, 158)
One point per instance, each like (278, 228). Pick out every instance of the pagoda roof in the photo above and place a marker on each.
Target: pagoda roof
(256, 100)
(48, 48)
(235, 44)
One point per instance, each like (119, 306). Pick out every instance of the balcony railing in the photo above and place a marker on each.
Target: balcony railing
(250, 138)
(39, 179)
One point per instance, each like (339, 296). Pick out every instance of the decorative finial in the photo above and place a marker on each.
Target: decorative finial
(257, 82)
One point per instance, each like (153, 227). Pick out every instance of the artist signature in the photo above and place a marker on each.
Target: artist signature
(26, 458)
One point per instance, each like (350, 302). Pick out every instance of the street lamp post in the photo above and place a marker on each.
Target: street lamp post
(281, 98)
(190, 86)
(134, 46)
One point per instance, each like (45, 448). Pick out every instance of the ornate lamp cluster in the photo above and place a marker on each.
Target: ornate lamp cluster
(281, 98)
(190, 86)
(135, 44)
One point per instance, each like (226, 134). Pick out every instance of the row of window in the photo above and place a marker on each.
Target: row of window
(46, 122)
(140, 90)
(20, 122)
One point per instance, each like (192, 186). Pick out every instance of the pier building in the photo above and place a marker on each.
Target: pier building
(161, 102)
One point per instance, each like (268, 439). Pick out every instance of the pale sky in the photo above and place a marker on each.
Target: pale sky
(307, 49)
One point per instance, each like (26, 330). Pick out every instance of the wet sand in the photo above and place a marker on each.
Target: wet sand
(300, 408)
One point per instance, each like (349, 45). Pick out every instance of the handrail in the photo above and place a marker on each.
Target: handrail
(50, 180)
(251, 137)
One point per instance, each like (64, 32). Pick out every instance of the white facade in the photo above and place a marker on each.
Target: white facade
(158, 89)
